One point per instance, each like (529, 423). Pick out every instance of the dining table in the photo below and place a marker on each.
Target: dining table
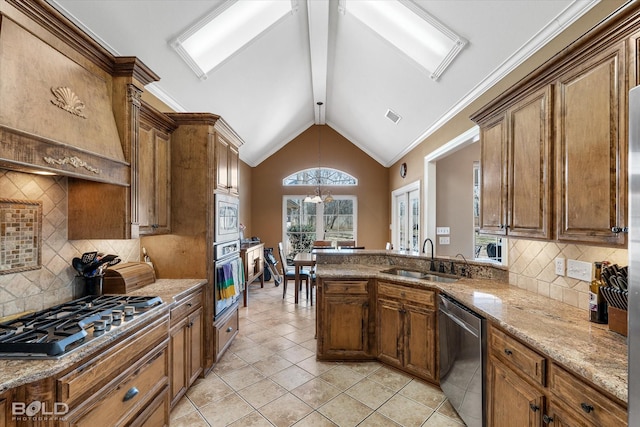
(302, 259)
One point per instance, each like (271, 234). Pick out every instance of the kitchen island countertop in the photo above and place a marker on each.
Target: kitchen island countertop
(551, 327)
(14, 373)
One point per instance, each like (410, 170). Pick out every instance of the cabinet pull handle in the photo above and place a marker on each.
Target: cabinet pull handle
(534, 407)
(229, 329)
(618, 230)
(508, 352)
(189, 304)
(547, 419)
(586, 407)
(130, 394)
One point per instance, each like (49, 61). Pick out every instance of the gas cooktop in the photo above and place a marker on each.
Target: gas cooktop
(59, 330)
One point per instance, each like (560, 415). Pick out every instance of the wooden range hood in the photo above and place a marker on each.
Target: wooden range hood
(65, 101)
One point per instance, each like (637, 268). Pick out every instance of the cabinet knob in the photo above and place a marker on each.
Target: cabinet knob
(130, 394)
(547, 419)
(534, 407)
(586, 407)
(229, 329)
(508, 352)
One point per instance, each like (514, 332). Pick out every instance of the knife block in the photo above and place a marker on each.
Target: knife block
(618, 320)
(126, 277)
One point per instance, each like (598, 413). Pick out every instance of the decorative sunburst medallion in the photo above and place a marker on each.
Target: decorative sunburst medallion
(68, 101)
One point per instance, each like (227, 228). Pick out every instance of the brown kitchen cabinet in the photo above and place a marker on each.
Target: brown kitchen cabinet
(591, 146)
(511, 400)
(515, 169)
(154, 171)
(526, 388)
(343, 320)
(116, 386)
(189, 250)
(227, 166)
(516, 378)
(253, 258)
(185, 344)
(578, 403)
(5, 415)
(406, 329)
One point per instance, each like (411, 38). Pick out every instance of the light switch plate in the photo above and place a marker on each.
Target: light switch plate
(443, 230)
(580, 270)
(444, 240)
(560, 266)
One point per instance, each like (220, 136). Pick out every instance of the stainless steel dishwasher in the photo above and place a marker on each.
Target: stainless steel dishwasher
(462, 356)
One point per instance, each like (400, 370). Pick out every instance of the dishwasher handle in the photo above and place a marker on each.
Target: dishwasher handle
(460, 323)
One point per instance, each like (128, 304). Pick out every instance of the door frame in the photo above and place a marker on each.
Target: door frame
(428, 210)
(394, 211)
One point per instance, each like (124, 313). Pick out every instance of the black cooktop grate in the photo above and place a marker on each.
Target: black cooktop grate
(59, 329)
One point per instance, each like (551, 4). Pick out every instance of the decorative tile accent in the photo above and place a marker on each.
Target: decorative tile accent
(532, 267)
(55, 282)
(20, 235)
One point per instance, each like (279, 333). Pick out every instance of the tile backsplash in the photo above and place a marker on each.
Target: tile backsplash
(532, 267)
(56, 281)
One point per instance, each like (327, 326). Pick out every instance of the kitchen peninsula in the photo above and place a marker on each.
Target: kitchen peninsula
(571, 351)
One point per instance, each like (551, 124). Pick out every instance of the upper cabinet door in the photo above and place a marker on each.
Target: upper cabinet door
(529, 173)
(591, 147)
(493, 188)
(227, 170)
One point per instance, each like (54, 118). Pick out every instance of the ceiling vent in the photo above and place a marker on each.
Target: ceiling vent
(393, 116)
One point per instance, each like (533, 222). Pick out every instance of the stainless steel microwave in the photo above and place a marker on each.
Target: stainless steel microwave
(227, 218)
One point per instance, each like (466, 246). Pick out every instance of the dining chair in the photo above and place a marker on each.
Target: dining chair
(322, 244)
(346, 244)
(288, 272)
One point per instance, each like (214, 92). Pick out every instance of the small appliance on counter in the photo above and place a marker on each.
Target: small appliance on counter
(127, 277)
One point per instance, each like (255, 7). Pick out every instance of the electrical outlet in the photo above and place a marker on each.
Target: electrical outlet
(560, 266)
(580, 270)
(443, 230)
(444, 240)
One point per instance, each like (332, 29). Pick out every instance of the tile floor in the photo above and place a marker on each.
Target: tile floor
(270, 377)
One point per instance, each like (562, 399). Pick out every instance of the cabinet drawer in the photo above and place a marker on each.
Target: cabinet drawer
(186, 306)
(225, 331)
(585, 399)
(346, 286)
(418, 296)
(518, 355)
(72, 387)
(116, 404)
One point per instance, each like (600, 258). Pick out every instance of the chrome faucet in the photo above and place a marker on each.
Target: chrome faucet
(433, 266)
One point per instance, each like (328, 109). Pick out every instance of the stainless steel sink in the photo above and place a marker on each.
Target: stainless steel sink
(417, 274)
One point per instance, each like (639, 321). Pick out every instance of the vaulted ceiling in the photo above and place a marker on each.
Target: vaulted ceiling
(268, 90)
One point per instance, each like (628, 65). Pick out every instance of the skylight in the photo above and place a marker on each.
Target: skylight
(410, 29)
(228, 29)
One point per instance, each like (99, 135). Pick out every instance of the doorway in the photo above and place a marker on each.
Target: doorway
(405, 231)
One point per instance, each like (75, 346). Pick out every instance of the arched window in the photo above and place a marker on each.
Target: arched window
(330, 218)
(320, 176)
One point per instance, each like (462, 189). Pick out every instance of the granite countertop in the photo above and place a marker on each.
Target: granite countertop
(553, 328)
(14, 373)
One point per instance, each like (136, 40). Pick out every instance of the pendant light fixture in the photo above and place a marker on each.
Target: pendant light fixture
(320, 196)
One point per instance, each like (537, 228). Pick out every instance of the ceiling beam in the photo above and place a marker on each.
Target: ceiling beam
(318, 12)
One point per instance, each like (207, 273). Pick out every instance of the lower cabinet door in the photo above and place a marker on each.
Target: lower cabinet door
(390, 333)
(511, 401)
(420, 339)
(119, 402)
(345, 333)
